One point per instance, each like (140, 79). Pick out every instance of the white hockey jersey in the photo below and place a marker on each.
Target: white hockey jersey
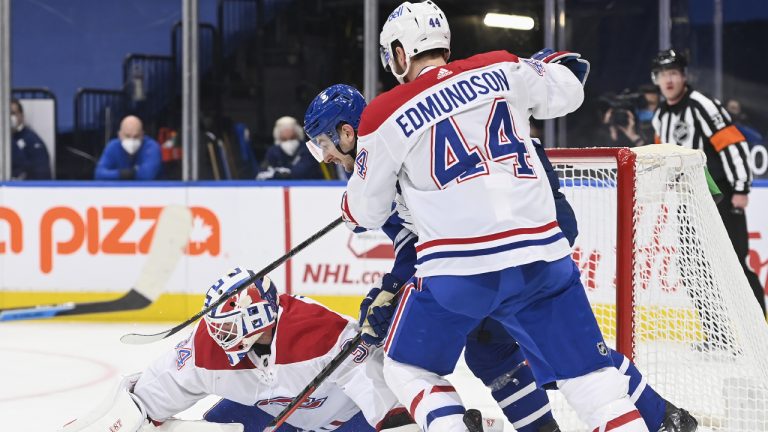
(456, 139)
(307, 337)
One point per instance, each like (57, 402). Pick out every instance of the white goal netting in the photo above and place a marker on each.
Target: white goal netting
(692, 323)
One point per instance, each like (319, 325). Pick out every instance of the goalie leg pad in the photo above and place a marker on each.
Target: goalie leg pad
(120, 410)
(600, 399)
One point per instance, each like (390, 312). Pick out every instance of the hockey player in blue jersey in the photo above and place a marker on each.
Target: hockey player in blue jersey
(332, 118)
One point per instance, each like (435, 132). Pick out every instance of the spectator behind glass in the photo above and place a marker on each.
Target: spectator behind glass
(130, 156)
(618, 121)
(648, 102)
(289, 158)
(740, 119)
(29, 155)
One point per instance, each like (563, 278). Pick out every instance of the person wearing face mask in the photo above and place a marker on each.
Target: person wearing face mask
(29, 155)
(130, 156)
(288, 159)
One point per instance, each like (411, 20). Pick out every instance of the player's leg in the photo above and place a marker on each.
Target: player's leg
(252, 418)
(423, 345)
(547, 311)
(656, 411)
(496, 359)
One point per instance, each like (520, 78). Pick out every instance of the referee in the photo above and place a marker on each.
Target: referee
(690, 119)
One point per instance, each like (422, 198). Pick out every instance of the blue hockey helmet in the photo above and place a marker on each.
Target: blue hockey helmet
(335, 105)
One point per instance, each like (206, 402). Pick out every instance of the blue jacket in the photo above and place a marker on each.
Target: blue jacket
(146, 162)
(29, 156)
(303, 165)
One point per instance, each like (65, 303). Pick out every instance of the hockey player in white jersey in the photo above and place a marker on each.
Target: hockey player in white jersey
(257, 351)
(331, 122)
(455, 138)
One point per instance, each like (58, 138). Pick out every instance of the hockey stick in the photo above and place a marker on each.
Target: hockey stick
(170, 238)
(318, 380)
(138, 339)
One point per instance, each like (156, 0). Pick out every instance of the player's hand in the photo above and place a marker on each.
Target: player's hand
(571, 60)
(377, 309)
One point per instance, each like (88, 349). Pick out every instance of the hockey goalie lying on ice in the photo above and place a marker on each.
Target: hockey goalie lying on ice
(257, 351)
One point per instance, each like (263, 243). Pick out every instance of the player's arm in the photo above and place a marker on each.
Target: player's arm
(565, 215)
(727, 141)
(377, 307)
(372, 187)
(124, 408)
(551, 89)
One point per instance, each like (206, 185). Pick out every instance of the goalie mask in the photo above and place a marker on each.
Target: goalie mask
(238, 322)
(418, 27)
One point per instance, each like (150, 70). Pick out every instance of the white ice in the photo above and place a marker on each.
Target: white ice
(53, 372)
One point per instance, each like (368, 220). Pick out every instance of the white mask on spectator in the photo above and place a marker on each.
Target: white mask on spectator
(14, 122)
(131, 145)
(289, 146)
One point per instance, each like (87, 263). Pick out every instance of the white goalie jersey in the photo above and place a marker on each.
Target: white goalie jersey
(456, 141)
(307, 337)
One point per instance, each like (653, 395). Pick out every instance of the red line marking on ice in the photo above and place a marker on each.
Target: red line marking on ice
(287, 217)
(109, 372)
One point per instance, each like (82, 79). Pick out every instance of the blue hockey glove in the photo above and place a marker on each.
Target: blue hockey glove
(571, 60)
(377, 309)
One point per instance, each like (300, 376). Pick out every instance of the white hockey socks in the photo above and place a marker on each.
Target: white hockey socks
(430, 399)
(600, 400)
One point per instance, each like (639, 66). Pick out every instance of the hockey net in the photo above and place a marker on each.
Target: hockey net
(665, 283)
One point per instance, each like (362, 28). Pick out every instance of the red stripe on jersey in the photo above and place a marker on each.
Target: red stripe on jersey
(382, 107)
(621, 421)
(415, 403)
(305, 330)
(443, 389)
(487, 237)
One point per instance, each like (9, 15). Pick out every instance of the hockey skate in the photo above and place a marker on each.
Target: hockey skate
(550, 427)
(678, 420)
(473, 420)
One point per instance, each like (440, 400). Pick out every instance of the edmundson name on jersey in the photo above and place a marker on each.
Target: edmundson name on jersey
(423, 110)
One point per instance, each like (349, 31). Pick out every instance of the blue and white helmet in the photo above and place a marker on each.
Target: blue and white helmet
(337, 104)
(419, 27)
(238, 322)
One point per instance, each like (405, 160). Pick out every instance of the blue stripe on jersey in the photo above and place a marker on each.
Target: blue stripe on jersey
(490, 251)
(444, 411)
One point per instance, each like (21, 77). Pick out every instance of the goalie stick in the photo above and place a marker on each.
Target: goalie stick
(168, 242)
(138, 339)
(319, 379)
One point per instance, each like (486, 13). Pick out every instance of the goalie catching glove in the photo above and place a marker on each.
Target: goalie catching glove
(377, 308)
(571, 60)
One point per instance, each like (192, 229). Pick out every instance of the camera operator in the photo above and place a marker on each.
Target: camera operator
(619, 121)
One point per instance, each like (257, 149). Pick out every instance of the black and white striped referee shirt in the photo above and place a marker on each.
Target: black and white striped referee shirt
(698, 122)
